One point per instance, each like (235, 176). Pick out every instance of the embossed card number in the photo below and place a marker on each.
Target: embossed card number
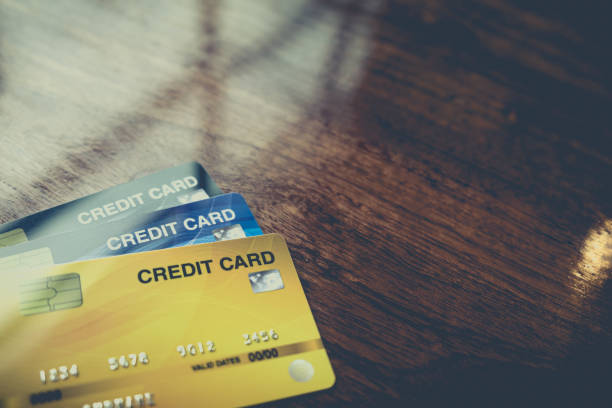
(130, 361)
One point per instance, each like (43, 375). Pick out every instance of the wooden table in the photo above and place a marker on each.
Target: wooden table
(441, 171)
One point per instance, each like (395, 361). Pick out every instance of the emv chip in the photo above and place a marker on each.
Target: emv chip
(51, 294)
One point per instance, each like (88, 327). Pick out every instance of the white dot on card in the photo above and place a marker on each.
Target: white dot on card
(301, 370)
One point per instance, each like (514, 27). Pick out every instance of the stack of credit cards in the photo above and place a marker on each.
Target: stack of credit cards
(164, 292)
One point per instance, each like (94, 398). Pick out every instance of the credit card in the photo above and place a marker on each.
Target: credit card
(219, 324)
(220, 218)
(167, 188)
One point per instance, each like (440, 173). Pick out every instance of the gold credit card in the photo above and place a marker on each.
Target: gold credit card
(217, 324)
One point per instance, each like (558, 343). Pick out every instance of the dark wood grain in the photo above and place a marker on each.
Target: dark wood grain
(440, 169)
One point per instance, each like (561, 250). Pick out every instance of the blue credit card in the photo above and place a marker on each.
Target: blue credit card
(167, 188)
(219, 218)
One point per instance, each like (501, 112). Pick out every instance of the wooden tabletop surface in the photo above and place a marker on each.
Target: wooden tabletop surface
(440, 169)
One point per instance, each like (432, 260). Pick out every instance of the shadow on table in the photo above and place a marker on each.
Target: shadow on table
(581, 379)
